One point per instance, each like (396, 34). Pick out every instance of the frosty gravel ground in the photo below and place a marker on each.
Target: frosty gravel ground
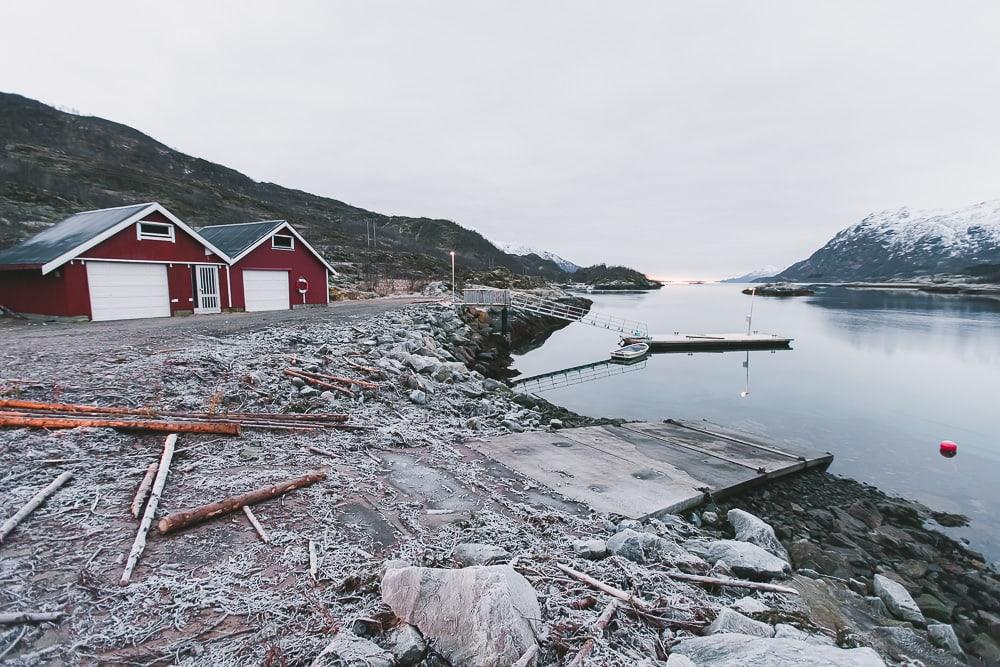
(406, 488)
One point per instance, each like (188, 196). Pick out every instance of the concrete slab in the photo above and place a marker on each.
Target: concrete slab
(645, 468)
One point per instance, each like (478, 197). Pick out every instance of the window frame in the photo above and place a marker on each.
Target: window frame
(170, 236)
(291, 242)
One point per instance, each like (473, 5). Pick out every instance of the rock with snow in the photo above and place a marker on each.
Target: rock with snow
(473, 553)
(754, 530)
(408, 646)
(749, 605)
(738, 650)
(897, 599)
(747, 560)
(349, 650)
(590, 549)
(419, 397)
(678, 660)
(628, 543)
(787, 631)
(729, 620)
(943, 636)
(513, 425)
(482, 616)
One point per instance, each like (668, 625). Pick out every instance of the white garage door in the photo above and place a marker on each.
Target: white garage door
(126, 290)
(265, 290)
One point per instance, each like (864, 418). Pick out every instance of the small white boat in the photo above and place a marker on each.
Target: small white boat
(630, 352)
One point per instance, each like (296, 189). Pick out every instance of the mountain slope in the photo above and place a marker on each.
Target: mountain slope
(53, 164)
(524, 251)
(763, 272)
(905, 244)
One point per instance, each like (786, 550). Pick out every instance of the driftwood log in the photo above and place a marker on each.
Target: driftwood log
(143, 490)
(185, 518)
(152, 412)
(154, 500)
(628, 598)
(12, 618)
(15, 419)
(256, 524)
(597, 630)
(736, 583)
(39, 498)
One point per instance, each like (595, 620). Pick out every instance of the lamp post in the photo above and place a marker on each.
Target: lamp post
(453, 296)
(753, 293)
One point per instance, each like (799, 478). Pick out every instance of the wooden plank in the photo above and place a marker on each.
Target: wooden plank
(608, 481)
(757, 460)
(643, 469)
(687, 466)
(750, 440)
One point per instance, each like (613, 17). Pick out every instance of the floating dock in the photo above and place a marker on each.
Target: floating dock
(722, 341)
(645, 469)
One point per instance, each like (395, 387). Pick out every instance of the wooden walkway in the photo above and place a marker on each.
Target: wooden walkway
(646, 468)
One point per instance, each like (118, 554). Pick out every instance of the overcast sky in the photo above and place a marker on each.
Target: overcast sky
(689, 139)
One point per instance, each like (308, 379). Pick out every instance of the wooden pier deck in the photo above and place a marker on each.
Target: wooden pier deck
(720, 341)
(645, 469)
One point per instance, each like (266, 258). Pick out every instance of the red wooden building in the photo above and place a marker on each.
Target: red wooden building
(143, 261)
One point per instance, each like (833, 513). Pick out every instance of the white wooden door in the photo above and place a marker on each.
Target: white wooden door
(127, 290)
(266, 290)
(208, 299)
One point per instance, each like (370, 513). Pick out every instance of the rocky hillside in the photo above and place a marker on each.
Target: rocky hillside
(53, 164)
(906, 244)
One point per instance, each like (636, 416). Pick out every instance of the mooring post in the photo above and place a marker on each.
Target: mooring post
(503, 321)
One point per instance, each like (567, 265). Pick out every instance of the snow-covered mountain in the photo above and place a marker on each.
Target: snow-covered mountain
(905, 243)
(756, 274)
(521, 251)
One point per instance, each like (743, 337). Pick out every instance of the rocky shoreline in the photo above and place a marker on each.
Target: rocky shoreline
(847, 534)
(420, 551)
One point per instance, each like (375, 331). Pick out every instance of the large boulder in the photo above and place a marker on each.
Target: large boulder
(735, 650)
(751, 529)
(480, 616)
(747, 560)
(897, 599)
(943, 636)
(733, 621)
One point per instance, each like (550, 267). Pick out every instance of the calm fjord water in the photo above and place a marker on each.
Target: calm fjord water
(879, 378)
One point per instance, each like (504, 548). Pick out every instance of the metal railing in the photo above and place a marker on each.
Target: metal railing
(568, 377)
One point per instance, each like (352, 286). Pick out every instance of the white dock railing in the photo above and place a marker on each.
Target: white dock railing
(539, 306)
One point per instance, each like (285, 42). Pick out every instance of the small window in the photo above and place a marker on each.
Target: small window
(155, 231)
(282, 242)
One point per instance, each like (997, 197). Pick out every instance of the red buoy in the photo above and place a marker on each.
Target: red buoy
(948, 449)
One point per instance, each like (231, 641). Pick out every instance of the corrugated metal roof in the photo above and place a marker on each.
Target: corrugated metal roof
(64, 236)
(236, 239)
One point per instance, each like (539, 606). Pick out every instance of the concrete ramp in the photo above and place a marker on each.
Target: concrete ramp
(646, 468)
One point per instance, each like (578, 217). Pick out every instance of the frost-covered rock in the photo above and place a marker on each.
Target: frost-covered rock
(733, 621)
(943, 636)
(419, 397)
(754, 530)
(747, 560)
(897, 599)
(628, 543)
(473, 553)
(749, 605)
(408, 646)
(349, 650)
(590, 549)
(481, 616)
(738, 650)
(787, 631)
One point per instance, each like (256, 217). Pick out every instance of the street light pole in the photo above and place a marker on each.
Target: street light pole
(453, 299)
